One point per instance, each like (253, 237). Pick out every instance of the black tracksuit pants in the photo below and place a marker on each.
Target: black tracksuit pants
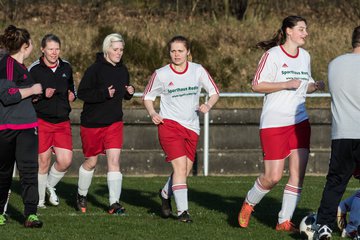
(20, 146)
(345, 154)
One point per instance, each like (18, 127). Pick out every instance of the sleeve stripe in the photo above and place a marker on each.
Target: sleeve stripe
(10, 68)
(212, 82)
(260, 68)
(149, 85)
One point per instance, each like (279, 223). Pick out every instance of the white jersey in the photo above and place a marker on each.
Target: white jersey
(180, 93)
(285, 107)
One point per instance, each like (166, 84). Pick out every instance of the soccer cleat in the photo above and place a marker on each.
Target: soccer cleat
(52, 197)
(286, 226)
(116, 208)
(341, 218)
(245, 214)
(323, 232)
(41, 204)
(165, 206)
(185, 217)
(81, 203)
(32, 221)
(3, 219)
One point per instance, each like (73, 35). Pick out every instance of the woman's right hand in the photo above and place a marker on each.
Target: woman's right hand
(36, 89)
(156, 118)
(293, 84)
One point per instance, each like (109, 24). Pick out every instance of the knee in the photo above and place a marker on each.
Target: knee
(89, 164)
(63, 164)
(44, 165)
(270, 181)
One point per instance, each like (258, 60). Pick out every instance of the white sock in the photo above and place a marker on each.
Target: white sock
(290, 200)
(181, 197)
(167, 189)
(42, 179)
(84, 182)
(256, 193)
(54, 176)
(114, 181)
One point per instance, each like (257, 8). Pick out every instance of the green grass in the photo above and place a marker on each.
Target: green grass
(214, 205)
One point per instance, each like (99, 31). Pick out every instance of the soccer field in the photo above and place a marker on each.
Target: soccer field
(214, 205)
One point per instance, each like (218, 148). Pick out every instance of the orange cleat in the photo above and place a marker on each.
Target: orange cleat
(245, 214)
(286, 226)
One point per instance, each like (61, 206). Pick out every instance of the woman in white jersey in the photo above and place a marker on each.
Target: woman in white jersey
(284, 75)
(179, 85)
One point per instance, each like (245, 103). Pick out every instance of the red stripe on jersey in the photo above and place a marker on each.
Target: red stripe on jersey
(149, 85)
(212, 81)
(260, 68)
(10, 68)
(186, 68)
(179, 187)
(287, 54)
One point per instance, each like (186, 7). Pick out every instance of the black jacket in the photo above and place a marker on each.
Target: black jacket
(99, 109)
(57, 108)
(15, 113)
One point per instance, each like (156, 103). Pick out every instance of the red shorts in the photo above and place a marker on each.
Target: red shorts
(96, 140)
(54, 135)
(278, 142)
(177, 141)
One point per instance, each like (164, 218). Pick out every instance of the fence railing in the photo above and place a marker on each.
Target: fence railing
(230, 95)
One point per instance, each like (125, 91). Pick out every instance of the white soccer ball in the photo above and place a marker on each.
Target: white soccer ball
(306, 230)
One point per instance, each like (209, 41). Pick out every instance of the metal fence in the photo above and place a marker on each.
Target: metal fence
(230, 95)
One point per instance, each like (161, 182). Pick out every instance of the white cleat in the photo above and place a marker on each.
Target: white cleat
(52, 197)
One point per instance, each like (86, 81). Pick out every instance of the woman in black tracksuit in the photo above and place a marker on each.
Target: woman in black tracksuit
(103, 87)
(53, 109)
(18, 123)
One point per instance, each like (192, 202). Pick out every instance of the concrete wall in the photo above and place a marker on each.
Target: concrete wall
(234, 144)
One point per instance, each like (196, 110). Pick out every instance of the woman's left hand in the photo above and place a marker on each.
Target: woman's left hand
(204, 108)
(130, 89)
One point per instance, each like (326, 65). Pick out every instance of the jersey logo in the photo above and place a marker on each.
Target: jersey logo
(284, 65)
(171, 84)
(25, 77)
(64, 75)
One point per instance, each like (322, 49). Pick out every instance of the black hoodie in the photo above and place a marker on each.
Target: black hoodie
(100, 110)
(57, 108)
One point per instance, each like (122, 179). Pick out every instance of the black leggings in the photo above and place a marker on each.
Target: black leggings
(20, 146)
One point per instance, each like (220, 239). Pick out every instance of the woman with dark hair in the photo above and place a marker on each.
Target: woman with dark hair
(18, 124)
(179, 85)
(284, 75)
(53, 109)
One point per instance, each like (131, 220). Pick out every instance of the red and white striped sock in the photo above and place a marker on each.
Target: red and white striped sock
(291, 198)
(181, 197)
(256, 193)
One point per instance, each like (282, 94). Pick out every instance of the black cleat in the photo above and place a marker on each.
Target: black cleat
(81, 203)
(116, 208)
(185, 217)
(32, 221)
(165, 206)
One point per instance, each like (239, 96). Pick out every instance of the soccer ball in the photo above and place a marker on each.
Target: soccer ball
(306, 230)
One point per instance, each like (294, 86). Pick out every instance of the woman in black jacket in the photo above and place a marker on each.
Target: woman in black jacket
(53, 109)
(18, 124)
(103, 87)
